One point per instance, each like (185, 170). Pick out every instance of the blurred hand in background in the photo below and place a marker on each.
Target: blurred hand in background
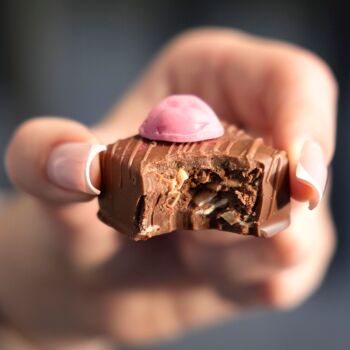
(68, 281)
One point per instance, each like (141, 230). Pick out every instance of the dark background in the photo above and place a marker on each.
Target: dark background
(75, 58)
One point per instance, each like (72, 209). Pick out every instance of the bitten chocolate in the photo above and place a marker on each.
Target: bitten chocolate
(234, 183)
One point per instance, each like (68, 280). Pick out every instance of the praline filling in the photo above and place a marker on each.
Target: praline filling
(224, 196)
(226, 200)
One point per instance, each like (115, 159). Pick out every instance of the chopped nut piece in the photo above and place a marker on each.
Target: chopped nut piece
(233, 182)
(244, 227)
(151, 229)
(204, 197)
(181, 177)
(206, 211)
(172, 184)
(221, 203)
(173, 199)
(244, 198)
(214, 186)
(203, 176)
(231, 217)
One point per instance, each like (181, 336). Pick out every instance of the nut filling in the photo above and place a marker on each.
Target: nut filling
(235, 183)
(225, 201)
(224, 197)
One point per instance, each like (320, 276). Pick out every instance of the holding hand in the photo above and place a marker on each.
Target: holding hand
(71, 279)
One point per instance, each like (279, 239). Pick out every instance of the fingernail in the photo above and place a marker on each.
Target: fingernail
(69, 167)
(312, 171)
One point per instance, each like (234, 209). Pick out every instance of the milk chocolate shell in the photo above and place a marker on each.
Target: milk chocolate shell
(233, 183)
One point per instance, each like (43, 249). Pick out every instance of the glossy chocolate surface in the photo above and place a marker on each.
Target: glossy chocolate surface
(234, 183)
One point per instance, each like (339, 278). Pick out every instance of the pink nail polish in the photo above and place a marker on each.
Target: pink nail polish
(312, 171)
(69, 166)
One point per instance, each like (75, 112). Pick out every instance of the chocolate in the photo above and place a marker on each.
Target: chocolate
(234, 183)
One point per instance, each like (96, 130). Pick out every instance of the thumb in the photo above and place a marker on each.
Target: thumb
(288, 94)
(54, 160)
(304, 120)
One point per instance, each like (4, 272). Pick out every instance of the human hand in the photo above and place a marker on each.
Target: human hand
(70, 279)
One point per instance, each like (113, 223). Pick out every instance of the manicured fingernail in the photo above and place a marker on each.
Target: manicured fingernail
(69, 167)
(311, 170)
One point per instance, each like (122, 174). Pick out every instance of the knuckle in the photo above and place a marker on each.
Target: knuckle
(286, 249)
(18, 155)
(194, 34)
(14, 147)
(277, 293)
(183, 43)
(321, 67)
(204, 37)
(24, 129)
(23, 135)
(317, 65)
(128, 317)
(302, 65)
(332, 243)
(19, 142)
(329, 239)
(28, 126)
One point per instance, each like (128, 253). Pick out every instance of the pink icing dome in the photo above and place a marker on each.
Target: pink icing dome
(181, 118)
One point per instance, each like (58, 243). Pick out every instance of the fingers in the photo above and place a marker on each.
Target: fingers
(304, 117)
(279, 91)
(246, 260)
(275, 90)
(280, 271)
(54, 160)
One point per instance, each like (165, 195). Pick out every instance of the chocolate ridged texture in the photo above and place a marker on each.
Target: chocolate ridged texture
(234, 183)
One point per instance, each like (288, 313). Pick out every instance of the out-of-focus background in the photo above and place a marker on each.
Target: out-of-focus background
(76, 57)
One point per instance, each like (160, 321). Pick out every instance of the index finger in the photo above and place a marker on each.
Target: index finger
(272, 89)
(54, 160)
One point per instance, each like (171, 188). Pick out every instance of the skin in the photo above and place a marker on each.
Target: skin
(74, 283)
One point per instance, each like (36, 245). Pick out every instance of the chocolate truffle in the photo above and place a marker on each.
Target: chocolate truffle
(233, 183)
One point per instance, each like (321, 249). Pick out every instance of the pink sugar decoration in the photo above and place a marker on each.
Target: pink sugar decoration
(181, 118)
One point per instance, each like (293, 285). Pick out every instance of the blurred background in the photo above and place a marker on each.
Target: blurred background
(76, 57)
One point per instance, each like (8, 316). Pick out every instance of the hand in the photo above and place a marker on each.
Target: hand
(68, 279)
